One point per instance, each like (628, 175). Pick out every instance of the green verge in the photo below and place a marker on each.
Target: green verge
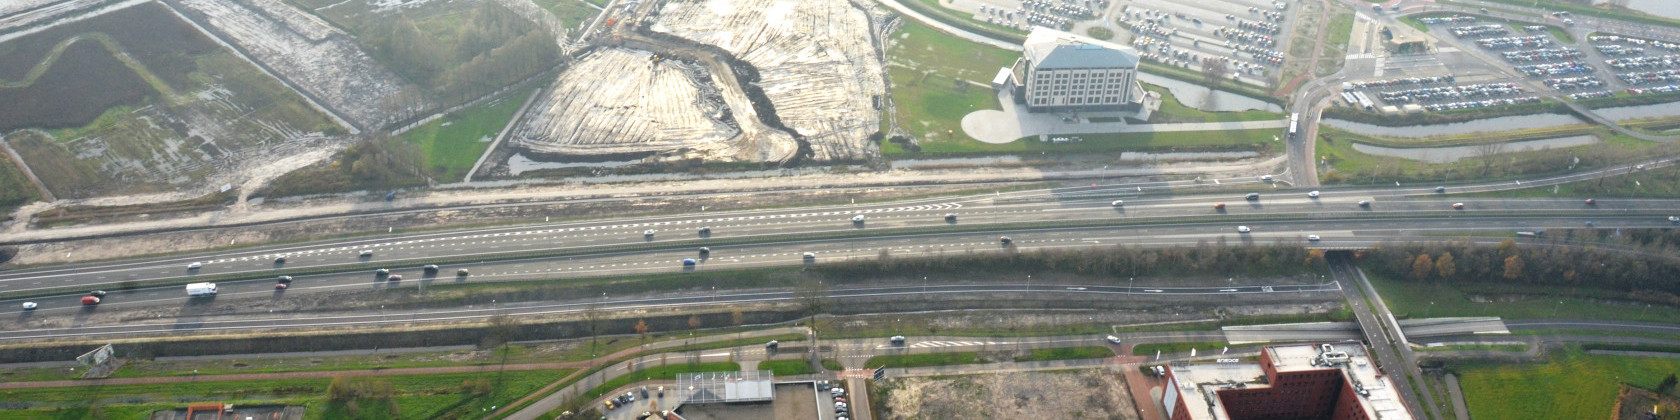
(1067, 353)
(1149, 349)
(1655, 183)
(1350, 166)
(15, 188)
(787, 367)
(572, 13)
(1259, 140)
(1571, 385)
(832, 365)
(920, 360)
(452, 144)
(414, 396)
(1660, 348)
(933, 10)
(1410, 300)
(1174, 111)
(1476, 347)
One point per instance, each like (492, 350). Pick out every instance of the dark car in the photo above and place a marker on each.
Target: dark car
(431, 268)
(281, 260)
(284, 280)
(1252, 196)
(97, 293)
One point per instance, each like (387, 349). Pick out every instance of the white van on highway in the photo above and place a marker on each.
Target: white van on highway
(201, 289)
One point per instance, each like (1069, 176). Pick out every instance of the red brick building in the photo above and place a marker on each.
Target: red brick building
(1319, 382)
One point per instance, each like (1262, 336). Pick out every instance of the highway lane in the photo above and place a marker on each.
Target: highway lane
(126, 311)
(1092, 206)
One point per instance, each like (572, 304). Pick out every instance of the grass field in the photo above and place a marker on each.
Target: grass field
(930, 70)
(15, 188)
(787, 367)
(1476, 347)
(1411, 300)
(1350, 166)
(1572, 385)
(919, 360)
(452, 143)
(1149, 349)
(574, 13)
(416, 396)
(1336, 40)
(1654, 183)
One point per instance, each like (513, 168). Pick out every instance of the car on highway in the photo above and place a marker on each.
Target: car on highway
(1364, 203)
(1267, 178)
(280, 260)
(1440, 189)
(897, 340)
(97, 293)
(1113, 340)
(705, 230)
(1313, 238)
(647, 233)
(857, 219)
(1218, 206)
(688, 262)
(1118, 203)
(1589, 223)
(1592, 202)
(283, 280)
(382, 272)
(810, 256)
(282, 286)
(1252, 197)
(430, 268)
(30, 306)
(461, 273)
(195, 266)
(1458, 206)
(705, 251)
(1243, 229)
(394, 277)
(367, 253)
(1005, 240)
(1674, 219)
(90, 300)
(951, 217)
(1313, 194)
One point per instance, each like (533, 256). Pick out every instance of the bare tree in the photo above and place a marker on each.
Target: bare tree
(1488, 153)
(1214, 71)
(642, 329)
(592, 318)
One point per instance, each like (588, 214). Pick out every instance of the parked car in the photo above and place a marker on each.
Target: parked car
(1113, 340)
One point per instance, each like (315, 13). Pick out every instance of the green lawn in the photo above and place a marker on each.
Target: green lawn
(919, 360)
(1477, 347)
(1202, 348)
(1573, 385)
(1350, 166)
(787, 367)
(574, 13)
(833, 365)
(1654, 183)
(1412, 300)
(930, 73)
(453, 143)
(1068, 353)
(416, 396)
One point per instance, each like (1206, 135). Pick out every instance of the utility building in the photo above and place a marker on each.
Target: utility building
(1060, 71)
(1327, 381)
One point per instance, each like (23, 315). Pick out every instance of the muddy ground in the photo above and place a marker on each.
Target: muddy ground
(1085, 394)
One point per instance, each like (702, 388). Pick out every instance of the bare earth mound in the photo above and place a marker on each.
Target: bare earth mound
(816, 60)
(1086, 394)
(647, 106)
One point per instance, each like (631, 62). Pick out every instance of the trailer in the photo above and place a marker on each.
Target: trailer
(201, 289)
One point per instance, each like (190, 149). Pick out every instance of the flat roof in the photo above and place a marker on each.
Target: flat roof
(1199, 383)
(1383, 401)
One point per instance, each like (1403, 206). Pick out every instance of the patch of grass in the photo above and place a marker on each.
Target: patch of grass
(1654, 183)
(1476, 347)
(416, 396)
(573, 13)
(1411, 300)
(453, 143)
(1663, 348)
(15, 188)
(832, 365)
(1336, 40)
(932, 9)
(1350, 166)
(1573, 385)
(919, 360)
(1068, 353)
(1149, 349)
(1174, 111)
(1099, 32)
(1257, 140)
(787, 367)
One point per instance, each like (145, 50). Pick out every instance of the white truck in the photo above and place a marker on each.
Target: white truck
(201, 289)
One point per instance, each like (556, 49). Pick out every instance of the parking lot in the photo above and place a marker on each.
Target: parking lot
(1248, 36)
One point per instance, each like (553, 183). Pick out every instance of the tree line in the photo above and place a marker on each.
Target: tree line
(486, 48)
(1510, 263)
(1206, 258)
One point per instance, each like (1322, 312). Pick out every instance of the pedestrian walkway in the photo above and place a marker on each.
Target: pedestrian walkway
(1013, 122)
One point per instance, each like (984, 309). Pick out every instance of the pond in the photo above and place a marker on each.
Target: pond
(1195, 96)
(1665, 8)
(1639, 112)
(1454, 153)
(1517, 122)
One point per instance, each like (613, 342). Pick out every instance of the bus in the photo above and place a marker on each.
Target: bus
(1294, 124)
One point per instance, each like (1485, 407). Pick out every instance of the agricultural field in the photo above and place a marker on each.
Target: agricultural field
(137, 101)
(1571, 385)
